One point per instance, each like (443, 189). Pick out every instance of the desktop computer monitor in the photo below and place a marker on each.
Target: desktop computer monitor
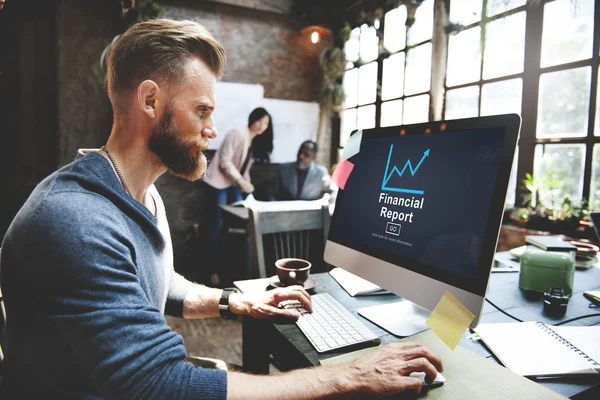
(421, 211)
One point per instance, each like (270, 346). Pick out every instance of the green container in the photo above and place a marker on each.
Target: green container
(541, 270)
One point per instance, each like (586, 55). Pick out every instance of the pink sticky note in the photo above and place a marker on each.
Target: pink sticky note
(341, 173)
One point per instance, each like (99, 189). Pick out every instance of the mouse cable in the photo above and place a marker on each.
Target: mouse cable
(560, 323)
(578, 318)
(502, 311)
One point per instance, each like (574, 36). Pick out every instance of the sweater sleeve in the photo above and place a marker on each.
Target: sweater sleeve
(230, 148)
(178, 290)
(94, 300)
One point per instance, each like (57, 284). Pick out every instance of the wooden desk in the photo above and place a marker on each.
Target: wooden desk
(290, 349)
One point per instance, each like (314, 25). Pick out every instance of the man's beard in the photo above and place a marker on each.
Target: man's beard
(184, 158)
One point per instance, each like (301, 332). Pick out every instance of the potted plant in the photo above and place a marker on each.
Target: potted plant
(560, 217)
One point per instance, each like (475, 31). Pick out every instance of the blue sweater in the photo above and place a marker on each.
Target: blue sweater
(86, 275)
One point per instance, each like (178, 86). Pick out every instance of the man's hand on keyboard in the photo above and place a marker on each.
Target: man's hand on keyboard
(266, 305)
(385, 372)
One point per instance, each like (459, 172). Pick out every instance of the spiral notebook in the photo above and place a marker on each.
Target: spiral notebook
(535, 349)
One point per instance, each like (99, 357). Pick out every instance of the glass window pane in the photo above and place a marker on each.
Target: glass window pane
(394, 37)
(351, 88)
(347, 125)
(502, 97)
(393, 77)
(559, 169)
(465, 12)
(351, 47)
(369, 43)
(597, 124)
(504, 46)
(568, 31)
(495, 7)
(418, 70)
(367, 83)
(512, 182)
(391, 113)
(416, 109)
(462, 103)
(365, 117)
(422, 29)
(595, 184)
(563, 103)
(464, 57)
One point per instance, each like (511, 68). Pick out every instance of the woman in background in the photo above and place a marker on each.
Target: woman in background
(228, 173)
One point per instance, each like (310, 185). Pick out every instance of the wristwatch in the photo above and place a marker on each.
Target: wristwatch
(224, 303)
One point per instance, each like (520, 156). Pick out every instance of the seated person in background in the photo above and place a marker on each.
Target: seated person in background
(303, 179)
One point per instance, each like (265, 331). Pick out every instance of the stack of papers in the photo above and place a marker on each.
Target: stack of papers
(290, 205)
(355, 285)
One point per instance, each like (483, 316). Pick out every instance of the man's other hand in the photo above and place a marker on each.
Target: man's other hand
(385, 371)
(265, 305)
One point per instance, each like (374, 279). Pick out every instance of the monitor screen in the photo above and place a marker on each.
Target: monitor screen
(428, 201)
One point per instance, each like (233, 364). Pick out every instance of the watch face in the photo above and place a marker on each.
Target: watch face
(224, 303)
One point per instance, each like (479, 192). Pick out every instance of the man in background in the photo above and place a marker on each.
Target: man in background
(303, 179)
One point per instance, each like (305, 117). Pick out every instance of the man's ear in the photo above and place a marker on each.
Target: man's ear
(147, 97)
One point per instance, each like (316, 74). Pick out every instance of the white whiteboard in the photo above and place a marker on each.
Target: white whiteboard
(235, 102)
(293, 123)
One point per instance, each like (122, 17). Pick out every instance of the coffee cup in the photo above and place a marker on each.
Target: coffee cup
(292, 271)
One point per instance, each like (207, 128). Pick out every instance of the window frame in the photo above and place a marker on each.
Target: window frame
(529, 106)
(532, 71)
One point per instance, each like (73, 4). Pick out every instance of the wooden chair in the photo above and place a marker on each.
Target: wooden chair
(288, 233)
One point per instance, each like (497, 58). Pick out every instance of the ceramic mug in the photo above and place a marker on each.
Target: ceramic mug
(292, 271)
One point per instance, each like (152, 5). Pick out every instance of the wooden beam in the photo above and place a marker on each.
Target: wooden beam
(283, 7)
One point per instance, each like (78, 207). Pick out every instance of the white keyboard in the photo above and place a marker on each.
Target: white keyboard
(330, 326)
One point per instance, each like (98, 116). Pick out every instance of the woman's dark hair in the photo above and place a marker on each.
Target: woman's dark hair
(262, 145)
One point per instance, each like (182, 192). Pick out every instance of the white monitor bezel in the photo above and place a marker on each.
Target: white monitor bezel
(418, 288)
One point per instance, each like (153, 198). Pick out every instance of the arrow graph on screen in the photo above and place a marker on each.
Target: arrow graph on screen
(408, 168)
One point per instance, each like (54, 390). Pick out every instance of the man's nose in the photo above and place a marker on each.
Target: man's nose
(210, 131)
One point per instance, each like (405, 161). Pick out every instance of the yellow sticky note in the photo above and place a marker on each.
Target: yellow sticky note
(449, 320)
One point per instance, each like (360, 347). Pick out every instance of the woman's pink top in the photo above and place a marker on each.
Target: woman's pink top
(224, 169)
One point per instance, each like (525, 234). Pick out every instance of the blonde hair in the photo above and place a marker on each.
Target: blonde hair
(157, 49)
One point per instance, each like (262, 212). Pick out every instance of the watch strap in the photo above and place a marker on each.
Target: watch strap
(224, 309)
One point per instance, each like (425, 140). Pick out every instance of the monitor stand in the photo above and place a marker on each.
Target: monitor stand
(403, 318)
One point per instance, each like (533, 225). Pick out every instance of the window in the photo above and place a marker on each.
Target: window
(496, 64)
(488, 79)
(566, 142)
(388, 86)
(360, 81)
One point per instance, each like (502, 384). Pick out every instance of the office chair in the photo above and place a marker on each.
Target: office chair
(290, 233)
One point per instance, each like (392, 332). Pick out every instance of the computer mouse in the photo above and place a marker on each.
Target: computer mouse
(438, 381)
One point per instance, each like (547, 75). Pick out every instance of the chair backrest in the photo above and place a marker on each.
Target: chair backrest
(279, 234)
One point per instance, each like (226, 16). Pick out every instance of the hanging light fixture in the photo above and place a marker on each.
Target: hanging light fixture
(315, 33)
(315, 37)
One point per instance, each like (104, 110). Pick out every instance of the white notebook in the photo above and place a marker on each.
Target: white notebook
(539, 350)
(355, 285)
